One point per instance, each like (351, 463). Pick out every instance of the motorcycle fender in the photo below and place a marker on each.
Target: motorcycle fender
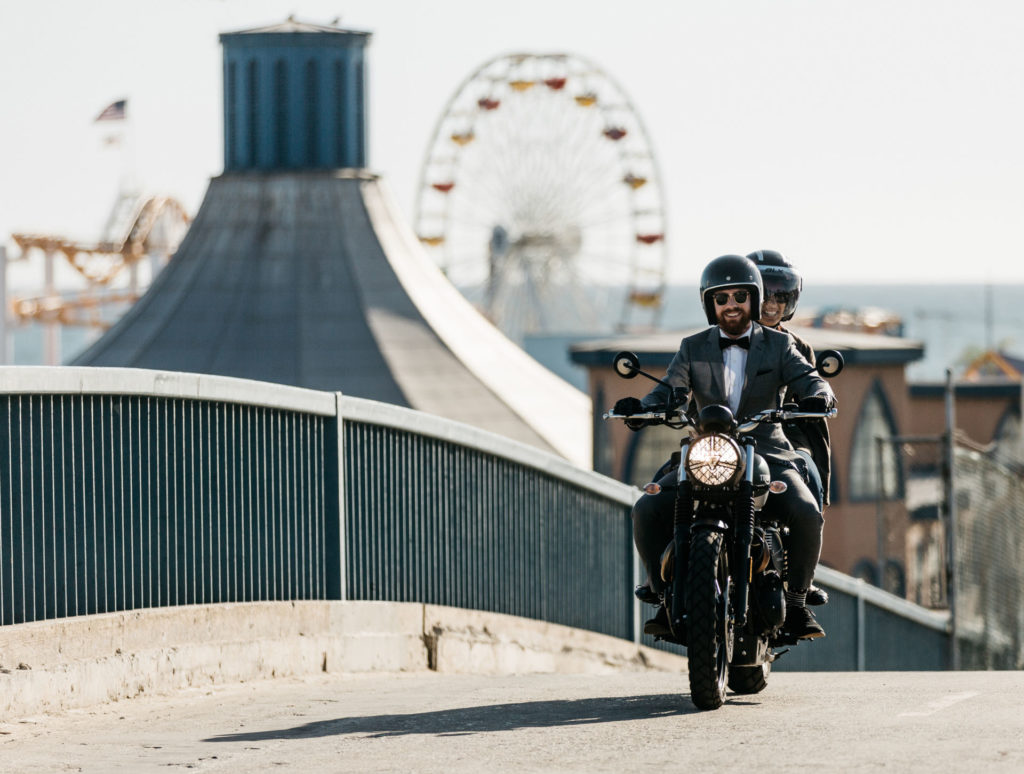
(778, 551)
(715, 525)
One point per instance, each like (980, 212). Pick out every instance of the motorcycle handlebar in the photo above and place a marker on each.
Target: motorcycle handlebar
(775, 416)
(664, 416)
(771, 415)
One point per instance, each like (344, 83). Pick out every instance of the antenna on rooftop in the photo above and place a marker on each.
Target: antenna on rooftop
(989, 322)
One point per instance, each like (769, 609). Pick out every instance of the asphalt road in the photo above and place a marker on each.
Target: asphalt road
(628, 722)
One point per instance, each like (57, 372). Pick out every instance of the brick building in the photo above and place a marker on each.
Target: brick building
(885, 516)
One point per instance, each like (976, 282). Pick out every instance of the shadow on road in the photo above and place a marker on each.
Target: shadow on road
(496, 717)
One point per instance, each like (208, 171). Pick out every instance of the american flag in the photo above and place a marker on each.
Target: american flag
(115, 111)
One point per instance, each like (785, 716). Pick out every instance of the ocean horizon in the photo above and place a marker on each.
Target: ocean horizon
(953, 322)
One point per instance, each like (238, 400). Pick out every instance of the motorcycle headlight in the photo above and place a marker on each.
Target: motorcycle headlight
(714, 460)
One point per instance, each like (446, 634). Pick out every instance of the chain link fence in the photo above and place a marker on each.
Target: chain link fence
(911, 523)
(988, 567)
(987, 570)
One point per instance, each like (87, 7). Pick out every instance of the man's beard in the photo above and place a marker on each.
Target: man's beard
(735, 326)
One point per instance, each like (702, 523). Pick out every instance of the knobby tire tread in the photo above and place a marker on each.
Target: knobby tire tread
(748, 679)
(702, 603)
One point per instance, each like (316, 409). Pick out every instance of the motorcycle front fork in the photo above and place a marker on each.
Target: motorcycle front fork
(681, 539)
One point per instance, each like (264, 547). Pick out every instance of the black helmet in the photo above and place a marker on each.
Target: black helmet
(779, 277)
(730, 271)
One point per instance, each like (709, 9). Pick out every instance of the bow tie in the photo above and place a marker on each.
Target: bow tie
(725, 342)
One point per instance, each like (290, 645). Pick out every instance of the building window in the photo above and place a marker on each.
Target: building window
(231, 135)
(360, 111)
(312, 113)
(280, 114)
(866, 570)
(339, 113)
(252, 92)
(875, 421)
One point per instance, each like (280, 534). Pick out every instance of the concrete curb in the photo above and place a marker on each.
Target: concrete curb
(52, 666)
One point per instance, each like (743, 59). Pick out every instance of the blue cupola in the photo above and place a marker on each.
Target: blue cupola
(294, 98)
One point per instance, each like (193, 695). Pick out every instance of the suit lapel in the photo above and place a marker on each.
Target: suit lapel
(713, 355)
(755, 357)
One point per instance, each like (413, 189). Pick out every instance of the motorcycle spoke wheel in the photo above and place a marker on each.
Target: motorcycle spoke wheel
(707, 615)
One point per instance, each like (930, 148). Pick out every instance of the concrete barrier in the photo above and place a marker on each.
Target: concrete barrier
(51, 666)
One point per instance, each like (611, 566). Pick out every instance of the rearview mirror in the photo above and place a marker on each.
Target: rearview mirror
(626, 365)
(829, 363)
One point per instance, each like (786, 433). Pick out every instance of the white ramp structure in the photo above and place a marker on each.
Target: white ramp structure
(298, 268)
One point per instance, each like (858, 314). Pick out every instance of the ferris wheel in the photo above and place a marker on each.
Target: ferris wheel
(541, 199)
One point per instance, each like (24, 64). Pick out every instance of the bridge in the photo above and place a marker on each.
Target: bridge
(425, 722)
(154, 511)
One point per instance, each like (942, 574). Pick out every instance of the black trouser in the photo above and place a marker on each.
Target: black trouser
(795, 508)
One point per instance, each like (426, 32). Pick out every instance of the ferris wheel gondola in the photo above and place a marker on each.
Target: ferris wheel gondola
(540, 198)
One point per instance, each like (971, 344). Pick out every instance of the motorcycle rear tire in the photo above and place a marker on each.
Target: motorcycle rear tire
(749, 679)
(707, 587)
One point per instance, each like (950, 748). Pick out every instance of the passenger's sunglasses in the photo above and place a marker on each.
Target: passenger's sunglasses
(740, 297)
(781, 297)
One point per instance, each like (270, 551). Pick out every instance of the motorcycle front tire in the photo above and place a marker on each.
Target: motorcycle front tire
(707, 586)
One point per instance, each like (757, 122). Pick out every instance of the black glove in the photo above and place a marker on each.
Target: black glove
(628, 406)
(817, 403)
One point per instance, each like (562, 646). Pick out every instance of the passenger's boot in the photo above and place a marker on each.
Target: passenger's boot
(817, 596)
(800, 623)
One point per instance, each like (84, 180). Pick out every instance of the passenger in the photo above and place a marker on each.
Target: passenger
(782, 287)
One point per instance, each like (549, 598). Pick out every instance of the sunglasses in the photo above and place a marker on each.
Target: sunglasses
(740, 296)
(781, 297)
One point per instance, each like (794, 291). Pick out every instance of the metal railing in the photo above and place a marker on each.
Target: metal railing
(479, 522)
(123, 489)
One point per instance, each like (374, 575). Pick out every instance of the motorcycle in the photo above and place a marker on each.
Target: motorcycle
(725, 569)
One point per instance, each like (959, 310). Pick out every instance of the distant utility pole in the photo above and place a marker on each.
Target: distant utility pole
(989, 324)
(948, 470)
(5, 349)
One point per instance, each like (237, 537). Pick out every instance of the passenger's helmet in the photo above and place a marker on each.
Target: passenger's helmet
(780, 278)
(730, 271)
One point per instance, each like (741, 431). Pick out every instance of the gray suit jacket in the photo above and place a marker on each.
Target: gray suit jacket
(698, 368)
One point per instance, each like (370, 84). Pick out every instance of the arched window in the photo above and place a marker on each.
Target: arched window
(602, 437)
(866, 570)
(875, 421)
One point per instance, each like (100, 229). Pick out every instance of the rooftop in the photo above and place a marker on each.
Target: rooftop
(856, 348)
(292, 25)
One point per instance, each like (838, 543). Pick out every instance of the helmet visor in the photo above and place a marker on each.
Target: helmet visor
(782, 286)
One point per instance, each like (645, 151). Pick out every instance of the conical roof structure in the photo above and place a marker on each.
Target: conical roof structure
(299, 272)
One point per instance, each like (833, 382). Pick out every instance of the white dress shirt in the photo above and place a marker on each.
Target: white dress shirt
(735, 360)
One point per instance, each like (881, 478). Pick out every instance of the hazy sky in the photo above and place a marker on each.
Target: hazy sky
(871, 140)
